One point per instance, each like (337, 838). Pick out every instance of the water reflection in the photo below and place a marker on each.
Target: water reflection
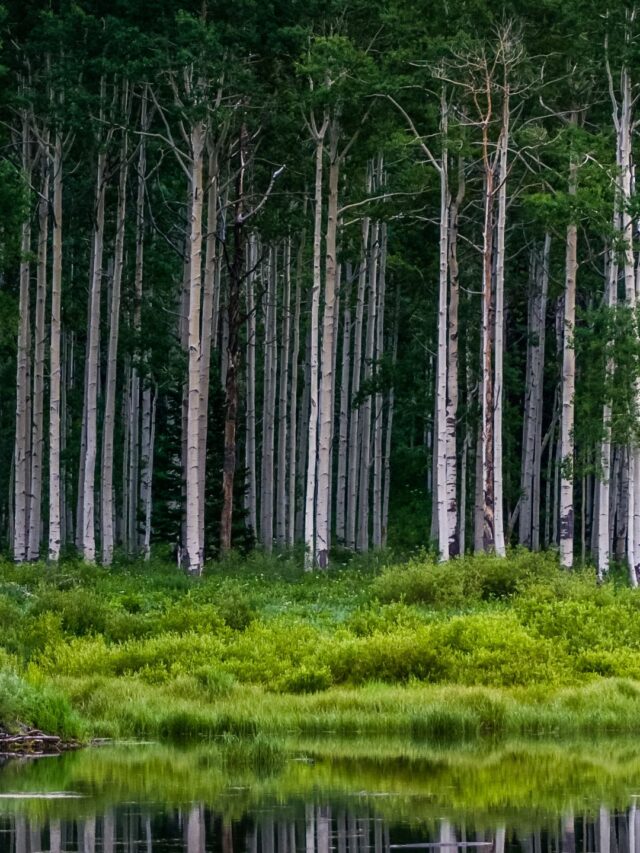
(310, 828)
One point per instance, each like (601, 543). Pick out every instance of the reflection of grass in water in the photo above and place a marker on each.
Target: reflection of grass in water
(518, 782)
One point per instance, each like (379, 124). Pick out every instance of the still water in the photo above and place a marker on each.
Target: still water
(325, 796)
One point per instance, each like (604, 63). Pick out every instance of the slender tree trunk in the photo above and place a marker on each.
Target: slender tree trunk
(208, 301)
(323, 505)
(37, 436)
(293, 400)
(452, 366)
(503, 152)
(378, 461)
(362, 540)
(312, 440)
(251, 504)
(568, 388)
(343, 431)
(605, 446)
(283, 414)
(269, 405)
(21, 480)
(236, 275)
(194, 554)
(354, 427)
(108, 427)
(92, 369)
(149, 399)
(440, 458)
(387, 452)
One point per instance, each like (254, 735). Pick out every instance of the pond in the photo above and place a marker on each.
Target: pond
(326, 795)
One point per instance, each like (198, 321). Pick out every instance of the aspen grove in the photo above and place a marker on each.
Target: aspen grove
(336, 275)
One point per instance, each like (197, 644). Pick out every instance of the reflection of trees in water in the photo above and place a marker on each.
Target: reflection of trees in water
(316, 829)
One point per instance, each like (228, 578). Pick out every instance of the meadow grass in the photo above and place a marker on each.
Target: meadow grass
(475, 648)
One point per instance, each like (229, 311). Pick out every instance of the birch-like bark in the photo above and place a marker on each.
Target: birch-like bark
(389, 432)
(487, 446)
(92, 368)
(283, 414)
(605, 446)
(303, 432)
(378, 419)
(132, 473)
(251, 503)
(452, 366)
(149, 400)
(343, 431)
(312, 439)
(323, 507)
(293, 400)
(354, 427)
(269, 405)
(503, 152)
(37, 435)
(108, 428)
(21, 480)
(194, 554)
(208, 301)
(568, 387)
(364, 426)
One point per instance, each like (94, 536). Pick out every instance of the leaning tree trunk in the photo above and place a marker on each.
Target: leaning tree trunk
(568, 388)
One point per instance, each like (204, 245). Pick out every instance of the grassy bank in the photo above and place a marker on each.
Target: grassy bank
(480, 646)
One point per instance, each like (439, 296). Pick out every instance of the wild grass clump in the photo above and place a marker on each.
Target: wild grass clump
(39, 706)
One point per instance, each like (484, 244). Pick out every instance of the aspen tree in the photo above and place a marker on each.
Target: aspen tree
(343, 432)
(250, 413)
(283, 415)
(325, 402)
(354, 427)
(88, 533)
(293, 400)
(568, 385)
(21, 476)
(318, 135)
(377, 509)
(37, 435)
(108, 427)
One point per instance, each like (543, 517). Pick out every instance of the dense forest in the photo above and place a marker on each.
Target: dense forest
(345, 274)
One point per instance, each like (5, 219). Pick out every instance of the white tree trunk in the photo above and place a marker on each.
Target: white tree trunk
(37, 436)
(194, 554)
(108, 428)
(149, 399)
(283, 414)
(88, 533)
(605, 446)
(354, 428)
(21, 481)
(251, 504)
(323, 507)
(55, 367)
(345, 410)
(499, 328)
(293, 400)
(378, 461)
(312, 440)
(568, 389)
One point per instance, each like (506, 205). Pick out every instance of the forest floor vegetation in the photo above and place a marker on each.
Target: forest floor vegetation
(477, 647)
